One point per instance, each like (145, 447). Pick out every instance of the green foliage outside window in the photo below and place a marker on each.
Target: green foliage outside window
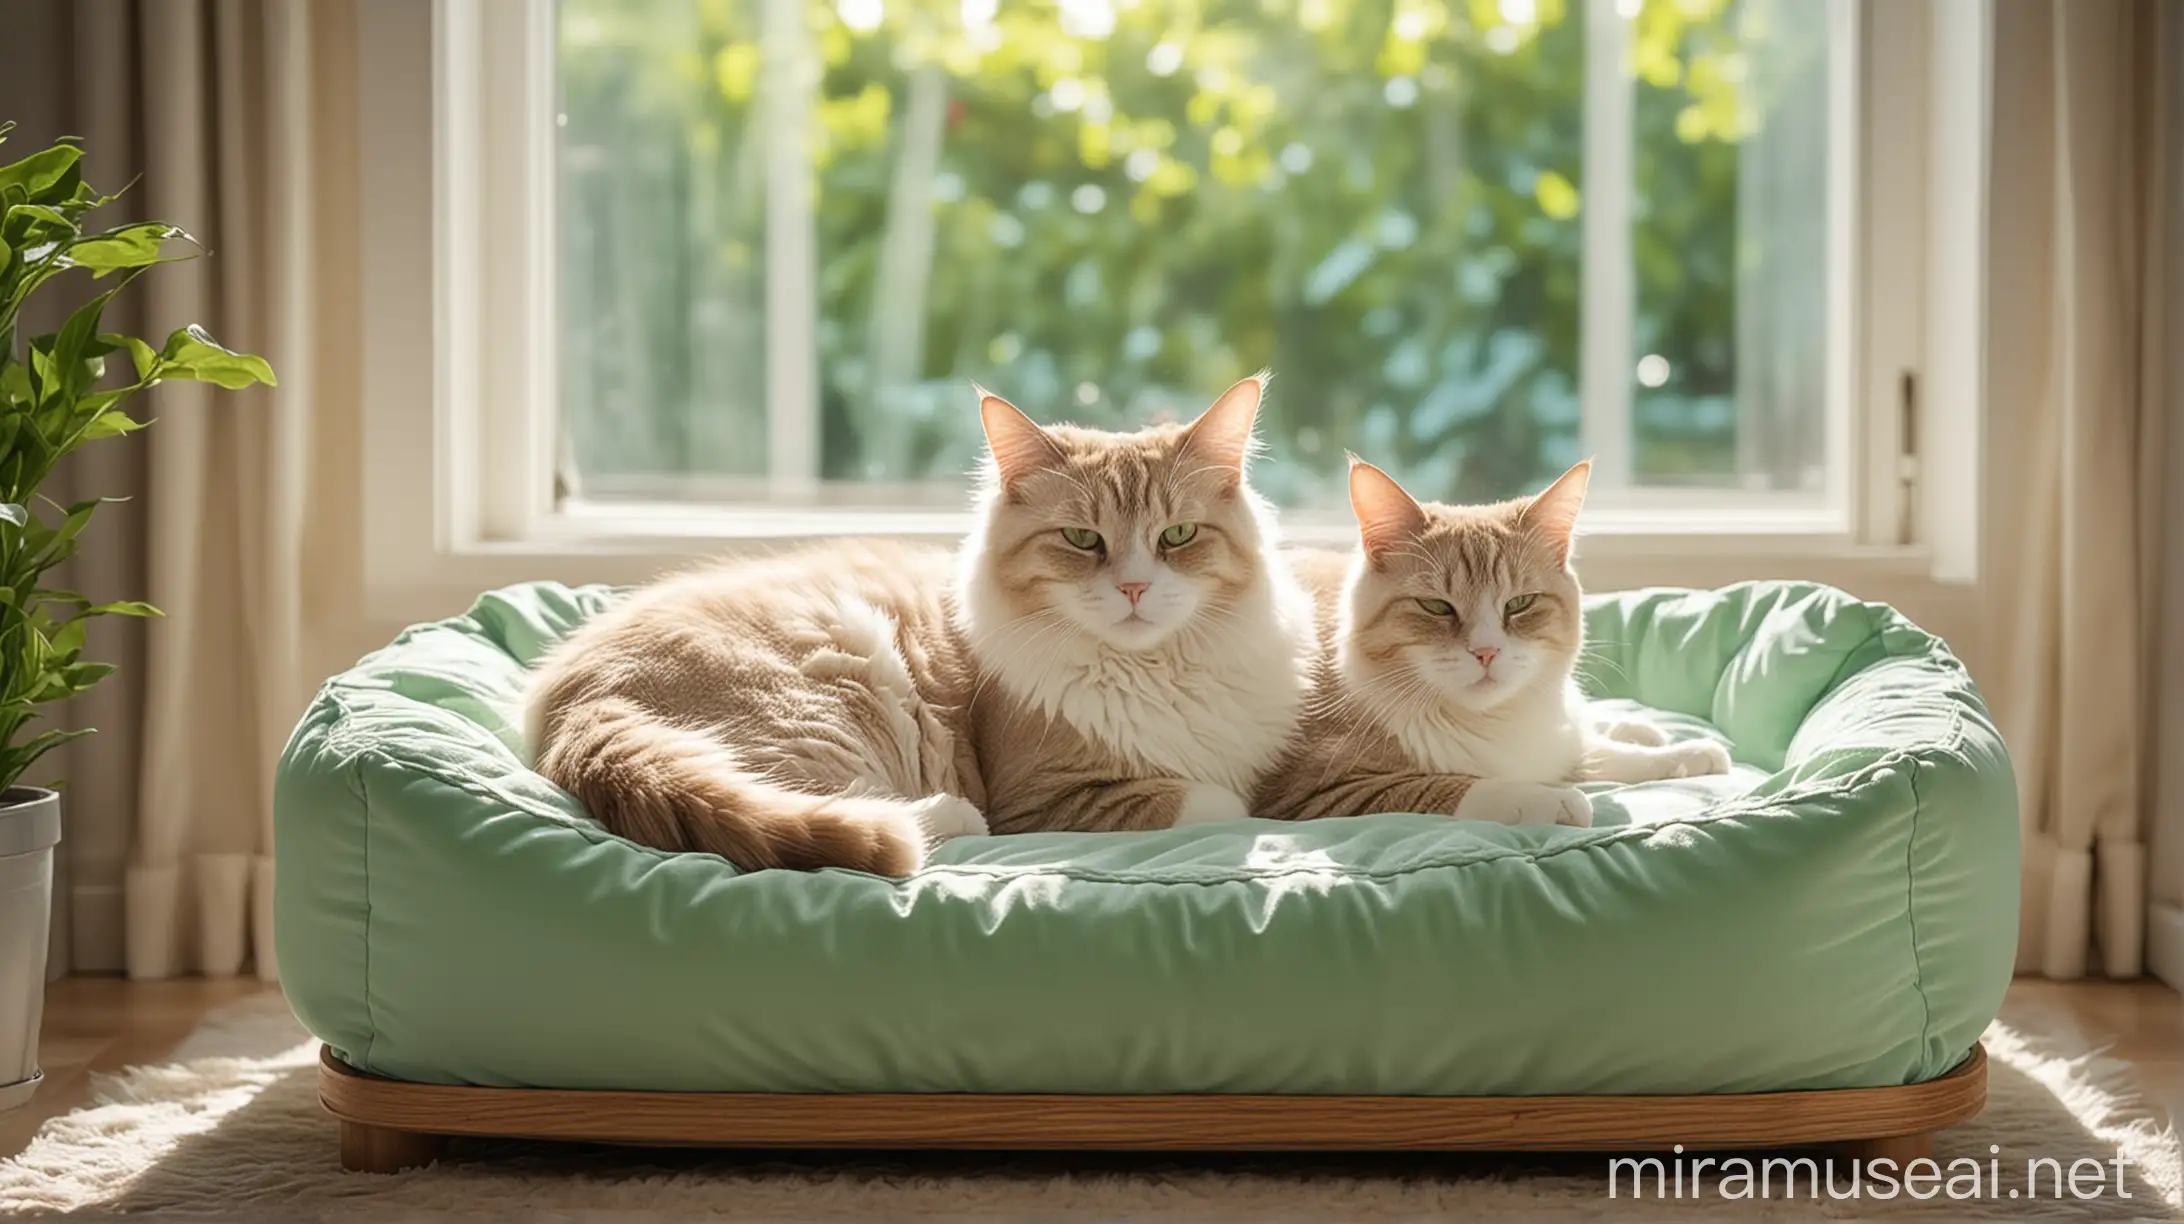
(1120, 209)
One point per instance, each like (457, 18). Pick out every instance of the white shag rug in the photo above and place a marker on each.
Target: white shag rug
(231, 1126)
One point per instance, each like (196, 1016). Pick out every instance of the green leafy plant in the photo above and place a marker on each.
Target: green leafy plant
(56, 396)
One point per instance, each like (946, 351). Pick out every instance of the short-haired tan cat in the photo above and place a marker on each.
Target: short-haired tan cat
(1445, 680)
(1117, 645)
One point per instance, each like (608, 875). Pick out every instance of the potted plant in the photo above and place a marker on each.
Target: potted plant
(57, 393)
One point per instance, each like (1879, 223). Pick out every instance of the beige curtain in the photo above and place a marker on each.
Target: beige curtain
(168, 816)
(2165, 931)
(2075, 353)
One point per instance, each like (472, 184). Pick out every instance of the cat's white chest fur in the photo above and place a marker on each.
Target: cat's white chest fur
(1543, 744)
(1214, 714)
(1215, 706)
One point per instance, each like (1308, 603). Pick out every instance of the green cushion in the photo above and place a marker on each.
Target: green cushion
(1839, 912)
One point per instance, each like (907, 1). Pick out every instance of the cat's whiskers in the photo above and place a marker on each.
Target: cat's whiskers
(1591, 660)
(1177, 476)
(1368, 703)
(1077, 482)
(1415, 551)
(1057, 621)
(1373, 706)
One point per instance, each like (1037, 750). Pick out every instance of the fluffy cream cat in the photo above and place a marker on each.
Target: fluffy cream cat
(805, 710)
(1444, 681)
(1117, 645)
(1129, 595)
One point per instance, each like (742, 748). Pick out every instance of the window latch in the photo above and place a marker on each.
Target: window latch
(1907, 458)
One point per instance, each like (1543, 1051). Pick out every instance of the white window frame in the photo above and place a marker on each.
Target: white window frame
(459, 445)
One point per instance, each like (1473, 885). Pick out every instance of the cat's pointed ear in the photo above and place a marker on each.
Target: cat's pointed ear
(1387, 517)
(1221, 436)
(1018, 445)
(1553, 514)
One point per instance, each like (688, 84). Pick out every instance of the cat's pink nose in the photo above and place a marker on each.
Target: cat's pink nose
(1135, 590)
(1486, 654)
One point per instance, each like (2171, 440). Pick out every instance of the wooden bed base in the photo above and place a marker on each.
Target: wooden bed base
(389, 1125)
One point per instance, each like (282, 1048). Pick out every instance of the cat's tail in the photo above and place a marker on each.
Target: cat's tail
(679, 789)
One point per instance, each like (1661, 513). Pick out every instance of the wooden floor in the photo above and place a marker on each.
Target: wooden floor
(95, 1025)
(2140, 1022)
(104, 1024)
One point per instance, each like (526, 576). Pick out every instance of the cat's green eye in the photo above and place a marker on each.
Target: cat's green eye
(1439, 607)
(1519, 604)
(1081, 537)
(1179, 535)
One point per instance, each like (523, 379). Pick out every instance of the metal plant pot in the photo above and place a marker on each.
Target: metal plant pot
(30, 826)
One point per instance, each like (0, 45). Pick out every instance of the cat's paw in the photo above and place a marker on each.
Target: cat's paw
(946, 816)
(1204, 803)
(1695, 759)
(1519, 803)
(1632, 731)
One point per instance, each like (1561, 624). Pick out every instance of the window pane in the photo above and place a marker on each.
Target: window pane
(662, 243)
(1730, 243)
(1107, 210)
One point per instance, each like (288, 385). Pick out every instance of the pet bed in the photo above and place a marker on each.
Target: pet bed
(1805, 949)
